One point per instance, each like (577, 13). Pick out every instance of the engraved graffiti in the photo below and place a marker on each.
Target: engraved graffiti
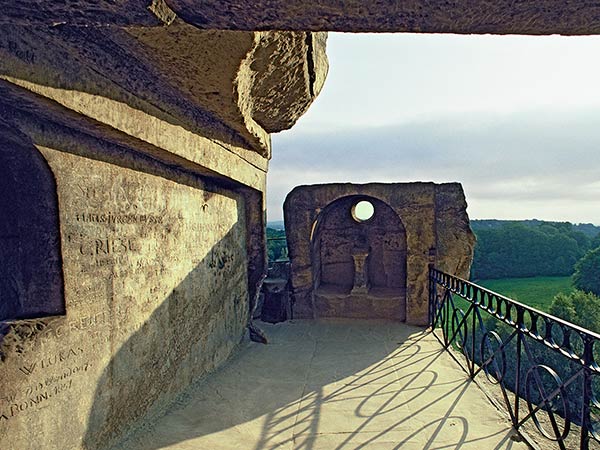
(103, 246)
(49, 361)
(84, 323)
(124, 193)
(116, 218)
(39, 392)
(34, 399)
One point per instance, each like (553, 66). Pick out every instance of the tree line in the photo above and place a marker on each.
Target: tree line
(535, 248)
(526, 249)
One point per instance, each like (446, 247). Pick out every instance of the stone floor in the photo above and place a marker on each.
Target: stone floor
(337, 384)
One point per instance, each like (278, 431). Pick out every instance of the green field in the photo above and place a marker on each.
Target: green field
(537, 292)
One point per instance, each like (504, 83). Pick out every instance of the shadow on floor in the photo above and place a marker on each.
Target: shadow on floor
(337, 384)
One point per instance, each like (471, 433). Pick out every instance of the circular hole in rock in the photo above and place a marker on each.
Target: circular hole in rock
(363, 211)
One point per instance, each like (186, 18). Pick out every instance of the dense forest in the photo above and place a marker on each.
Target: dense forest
(590, 230)
(513, 249)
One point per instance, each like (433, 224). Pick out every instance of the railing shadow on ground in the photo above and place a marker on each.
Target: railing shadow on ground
(351, 394)
(407, 391)
(545, 367)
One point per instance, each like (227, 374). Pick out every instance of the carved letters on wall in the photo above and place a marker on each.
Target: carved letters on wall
(148, 262)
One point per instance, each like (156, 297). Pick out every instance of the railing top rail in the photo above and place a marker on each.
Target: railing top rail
(510, 301)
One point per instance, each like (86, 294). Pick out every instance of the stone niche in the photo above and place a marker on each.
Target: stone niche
(31, 283)
(373, 263)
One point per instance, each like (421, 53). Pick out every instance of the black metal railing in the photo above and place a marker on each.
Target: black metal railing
(547, 368)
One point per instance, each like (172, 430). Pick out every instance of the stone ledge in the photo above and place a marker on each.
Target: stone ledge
(420, 16)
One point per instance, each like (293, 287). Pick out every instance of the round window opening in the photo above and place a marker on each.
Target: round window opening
(363, 211)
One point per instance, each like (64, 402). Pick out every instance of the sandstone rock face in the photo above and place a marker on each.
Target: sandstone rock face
(31, 279)
(421, 16)
(156, 295)
(426, 16)
(413, 225)
(230, 87)
(132, 179)
(300, 80)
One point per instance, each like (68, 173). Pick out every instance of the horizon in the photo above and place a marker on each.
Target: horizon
(503, 220)
(512, 118)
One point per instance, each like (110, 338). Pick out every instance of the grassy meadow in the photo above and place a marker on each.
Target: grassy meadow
(537, 292)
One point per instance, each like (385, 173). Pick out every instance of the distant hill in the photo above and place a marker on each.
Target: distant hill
(588, 229)
(276, 225)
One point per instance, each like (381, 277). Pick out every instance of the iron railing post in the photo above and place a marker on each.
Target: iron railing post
(517, 380)
(431, 298)
(586, 419)
(473, 325)
(446, 324)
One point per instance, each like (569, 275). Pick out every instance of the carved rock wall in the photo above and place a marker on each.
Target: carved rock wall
(230, 87)
(31, 279)
(421, 16)
(436, 226)
(156, 294)
(428, 16)
(133, 167)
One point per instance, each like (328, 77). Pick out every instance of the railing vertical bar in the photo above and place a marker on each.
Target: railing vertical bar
(447, 317)
(473, 325)
(431, 297)
(586, 419)
(518, 378)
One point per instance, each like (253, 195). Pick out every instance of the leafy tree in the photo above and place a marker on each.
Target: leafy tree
(587, 309)
(595, 243)
(562, 306)
(579, 307)
(587, 272)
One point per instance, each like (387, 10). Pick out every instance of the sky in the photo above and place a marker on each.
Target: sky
(515, 119)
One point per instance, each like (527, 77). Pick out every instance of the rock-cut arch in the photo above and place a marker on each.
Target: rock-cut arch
(337, 235)
(31, 279)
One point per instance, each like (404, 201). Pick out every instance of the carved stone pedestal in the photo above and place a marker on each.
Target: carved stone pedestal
(360, 273)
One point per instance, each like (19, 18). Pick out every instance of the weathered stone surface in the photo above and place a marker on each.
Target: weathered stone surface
(160, 251)
(424, 16)
(453, 251)
(51, 124)
(229, 87)
(132, 178)
(414, 225)
(300, 74)
(156, 288)
(430, 16)
(92, 13)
